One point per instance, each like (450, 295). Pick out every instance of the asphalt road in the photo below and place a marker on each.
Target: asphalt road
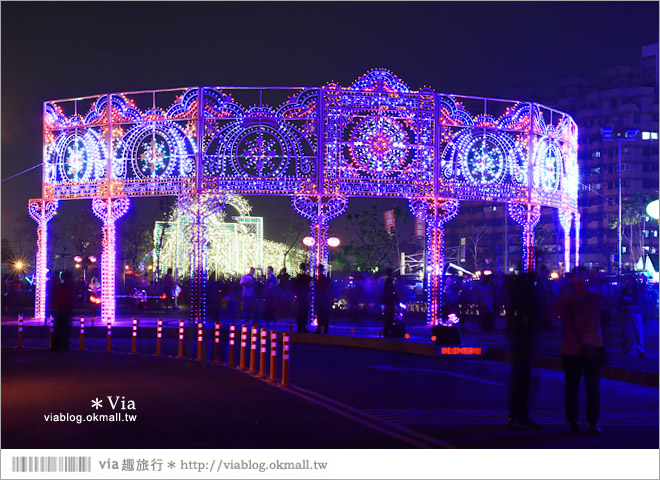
(341, 398)
(463, 402)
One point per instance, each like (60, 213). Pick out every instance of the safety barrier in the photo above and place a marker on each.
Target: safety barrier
(253, 350)
(241, 365)
(181, 335)
(82, 333)
(109, 340)
(51, 320)
(200, 340)
(134, 337)
(159, 337)
(262, 357)
(232, 340)
(20, 331)
(259, 340)
(216, 343)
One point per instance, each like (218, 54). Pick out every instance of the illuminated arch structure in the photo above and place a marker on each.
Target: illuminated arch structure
(318, 145)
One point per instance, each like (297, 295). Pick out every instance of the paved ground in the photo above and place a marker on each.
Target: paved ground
(178, 405)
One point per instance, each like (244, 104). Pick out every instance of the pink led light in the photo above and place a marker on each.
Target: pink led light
(333, 242)
(308, 241)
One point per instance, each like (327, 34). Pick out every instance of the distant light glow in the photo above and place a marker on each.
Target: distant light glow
(333, 242)
(308, 241)
(653, 208)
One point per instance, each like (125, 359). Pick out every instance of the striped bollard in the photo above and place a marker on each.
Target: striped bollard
(108, 347)
(20, 331)
(216, 343)
(159, 336)
(273, 355)
(181, 335)
(134, 337)
(200, 338)
(51, 320)
(232, 338)
(82, 333)
(241, 365)
(285, 361)
(253, 350)
(262, 357)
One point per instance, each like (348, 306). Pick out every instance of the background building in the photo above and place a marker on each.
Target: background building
(625, 97)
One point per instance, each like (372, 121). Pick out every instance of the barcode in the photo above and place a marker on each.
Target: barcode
(51, 464)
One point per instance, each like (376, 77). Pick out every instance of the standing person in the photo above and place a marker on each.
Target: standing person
(390, 300)
(630, 318)
(283, 292)
(322, 301)
(486, 297)
(248, 284)
(521, 325)
(301, 288)
(65, 300)
(169, 290)
(270, 296)
(580, 312)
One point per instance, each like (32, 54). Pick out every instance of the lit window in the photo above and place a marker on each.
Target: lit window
(654, 135)
(646, 135)
(596, 154)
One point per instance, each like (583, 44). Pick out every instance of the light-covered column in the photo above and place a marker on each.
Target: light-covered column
(319, 210)
(435, 213)
(109, 210)
(197, 209)
(577, 239)
(566, 219)
(41, 211)
(527, 216)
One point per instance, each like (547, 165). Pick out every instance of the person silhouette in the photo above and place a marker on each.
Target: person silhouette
(64, 303)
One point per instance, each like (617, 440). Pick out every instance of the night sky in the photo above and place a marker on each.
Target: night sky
(57, 50)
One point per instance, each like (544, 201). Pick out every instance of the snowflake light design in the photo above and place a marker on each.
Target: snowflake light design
(546, 173)
(260, 154)
(484, 162)
(154, 158)
(379, 144)
(76, 159)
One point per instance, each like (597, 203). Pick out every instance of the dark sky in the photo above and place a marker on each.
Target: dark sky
(57, 50)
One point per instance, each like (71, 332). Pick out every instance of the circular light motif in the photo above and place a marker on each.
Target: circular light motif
(379, 144)
(258, 152)
(546, 168)
(153, 155)
(484, 161)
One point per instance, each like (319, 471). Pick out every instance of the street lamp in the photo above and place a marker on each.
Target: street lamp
(619, 136)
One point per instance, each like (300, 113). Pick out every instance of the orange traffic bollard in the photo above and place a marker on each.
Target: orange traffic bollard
(241, 365)
(108, 347)
(181, 334)
(52, 331)
(285, 361)
(232, 338)
(200, 339)
(82, 333)
(134, 337)
(20, 331)
(407, 336)
(216, 344)
(159, 336)
(253, 350)
(273, 355)
(262, 357)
